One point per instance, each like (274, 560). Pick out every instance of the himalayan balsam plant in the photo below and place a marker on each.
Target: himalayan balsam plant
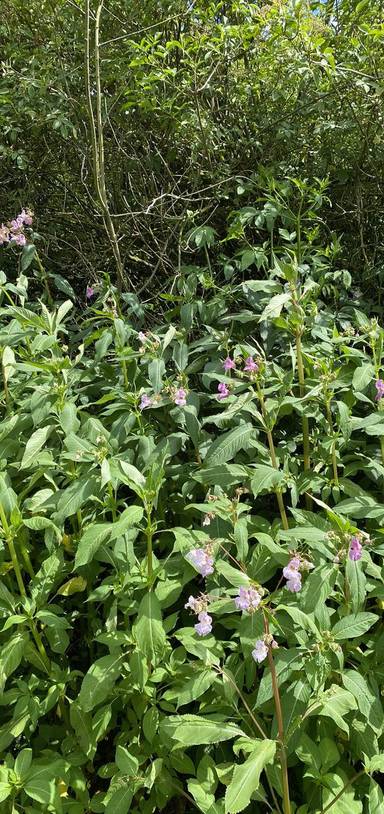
(191, 575)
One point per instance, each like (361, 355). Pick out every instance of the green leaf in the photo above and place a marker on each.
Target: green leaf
(27, 256)
(192, 730)
(126, 763)
(362, 377)
(246, 777)
(91, 541)
(41, 784)
(10, 656)
(156, 371)
(265, 477)
(356, 581)
(99, 680)
(73, 498)
(368, 703)
(225, 447)
(149, 631)
(350, 627)
(120, 802)
(34, 445)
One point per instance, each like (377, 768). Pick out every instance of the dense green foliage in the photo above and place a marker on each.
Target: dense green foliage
(193, 97)
(191, 407)
(123, 452)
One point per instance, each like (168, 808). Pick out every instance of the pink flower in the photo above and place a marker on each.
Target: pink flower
(292, 575)
(250, 366)
(89, 292)
(248, 599)
(201, 560)
(260, 651)
(379, 384)
(17, 223)
(180, 397)
(294, 584)
(204, 625)
(145, 402)
(26, 217)
(142, 337)
(228, 364)
(356, 549)
(223, 391)
(19, 239)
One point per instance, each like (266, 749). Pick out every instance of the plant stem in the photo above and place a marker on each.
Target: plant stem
(280, 727)
(305, 422)
(340, 794)
(149, 534)
(44, 278)
(334, 460)
(279, 496)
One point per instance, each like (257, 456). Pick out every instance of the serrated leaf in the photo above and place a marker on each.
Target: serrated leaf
(246, 777)
(192, 730)
(149, 631)
(34, 445)
(225, 447)
(99, 680)
(350, 627)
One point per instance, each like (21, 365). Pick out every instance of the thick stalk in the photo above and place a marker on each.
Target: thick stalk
(280, 727)
(6, 388)
(301, 376)
(334, 459)
(149, 535)
(272, 451)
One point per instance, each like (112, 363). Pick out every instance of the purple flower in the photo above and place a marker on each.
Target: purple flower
(194, 604)
(19, 239)
(292, 575)
(223, 391)
(89, 292)
(204, 625)
(17, 223)
(145, 402)
(248, 599)
(292, 568)
(250, 366)
(294, 584)
(356, 549)
(379, 384)
(228, 364)
(180, 397)
(26, 217)
(260, 651)
(201, 560)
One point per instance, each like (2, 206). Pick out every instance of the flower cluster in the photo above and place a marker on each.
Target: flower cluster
(202, 560)
(145, 401)
(13, 231)
(355, 549)
(179, 397)
(379, 384)
(250, 366)
(248, 599)
(149, 342)
(292, 572)
(199, 606)
(262, 646)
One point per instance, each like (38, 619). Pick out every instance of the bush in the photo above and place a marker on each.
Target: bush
(191, 564)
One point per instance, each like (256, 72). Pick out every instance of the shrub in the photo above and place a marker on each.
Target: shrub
(191, 563)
